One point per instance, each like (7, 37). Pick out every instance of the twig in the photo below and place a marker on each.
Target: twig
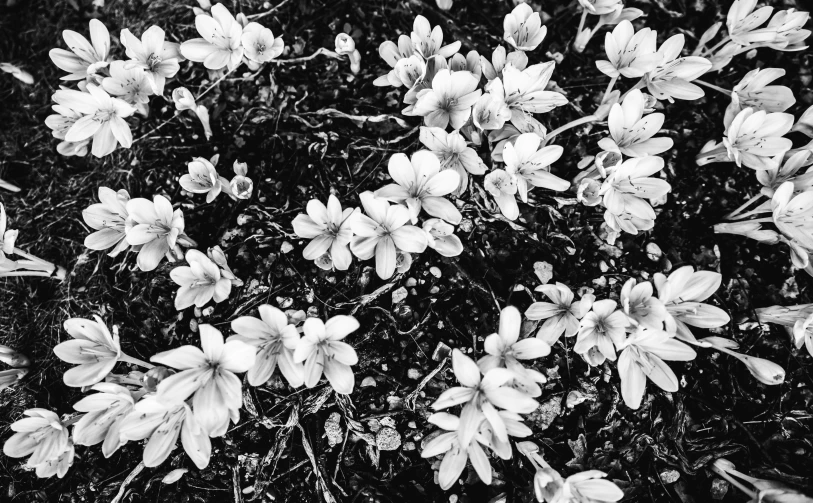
(410, 398)
(261, 15)
(127, 481)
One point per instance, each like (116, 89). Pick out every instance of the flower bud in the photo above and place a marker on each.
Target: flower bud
(240, 168)
(355, 61)
(582, 39)
(241, 186)
(324, 262)
(154, 376)
(11, 377)
(345, 45)
(13, 358)
(765, 371)
(183, 99)
(203, 114)
(587, 192)
(444, 4)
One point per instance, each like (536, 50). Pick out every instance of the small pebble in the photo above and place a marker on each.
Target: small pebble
(286, 247)
(388, 439)
(414, 374)
(434, 271)
(368, 382)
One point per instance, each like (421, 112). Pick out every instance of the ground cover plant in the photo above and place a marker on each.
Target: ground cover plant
(407, 250)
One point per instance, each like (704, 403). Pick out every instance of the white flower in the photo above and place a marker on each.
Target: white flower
(129, 84)
(525, 94)
(160, 59)
(393, 54)
(453, 153)
(55, 466)
(491, 111)
(221, 45)
(629, 186)
(84, 58)
(330, 230)
(107, 218)
(449, 100)
(163, 423)
(788, 26)
(441, 238)
(103, 119)
(259, 43)
(203, 178)
(102, 421)
(601, 7)
(630, 54)
(772, 179)
(420, 183)
(428, 41)
(582, 487)
(383, 232)
(754, 138)
(200, 282)
(523, 28)
(643, 357)
(503, 187)
(631, 132)
(599, 330)
(499, 59)
(322, 350)
(792, 214)
(345, 45)
(530, 165)
(765, 371)
(803, 333)
(41, 435)
(275, 339)
(454, 454)
(60, 123)
(640, 306)
(561, 315)
(671, 79)
(209, 374)
(754, 92)
(743, 23)
(93, 349)
(155, 226)
(683, 293)
(628, 222)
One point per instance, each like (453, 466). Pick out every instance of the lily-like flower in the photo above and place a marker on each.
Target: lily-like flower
(629, 53)
(241, 186)
(583, 487)
(643, 356)
(683, 293)
(103, 119)
(748, 229)
(128, 84)
(200, 282)
(10, 377)
(561, 315)
(481, 397)
(107, 217)
(155, 226)
(441, 238)
(628, 222)
(600, 329)
(203, 178)
(743, 23)
(601, 7)
(259, 43)
(772, 179)
(322, 350)
(428, 41)
(503, 188)
(792, 214)
(275, 339)
(383, 232)
(640, 306)
(209, 374)
(330, 229)
(631, 133)
(221, 45)
(523, 28)
(499, 59)
(159, 59)
(531, 164)
(13, 357)
(102, 421)
(420, 183)
(454, 153)
(85, 57)
(629, 186)
(765, 371)
(525, 94)
(40, 435)
(803, 333)
(93, 349)
(455, 454)
(162, 423)
(788, 26)
(754, 92)
(60, 123)
(449, 100)
(672, 78)
(393, 54)
(491, 111)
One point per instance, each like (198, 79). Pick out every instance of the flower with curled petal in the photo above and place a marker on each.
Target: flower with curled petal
(631, 54)
(754, 92)
(156, 227)
(209, 375)
(103, 414)
(85, 57)
(393, 54)
(275, 339)
(330, 230)
(322, 350)
(203, 178)
(789, 27)
(743, 23)
(561, 315)
(449, 100)
(200, 282)
(523, 28)
(672, 78)
(221, 43)
(93, 349)
(454, 153)
(683, 293)
(640, 306)
(41, 435)
(631, 133)
(441, 238)
(455, 456)
(601, 328)
(629, 186)
(107, 217)
(428, 41)
(160, 59)
(755, 138)
(531, 165)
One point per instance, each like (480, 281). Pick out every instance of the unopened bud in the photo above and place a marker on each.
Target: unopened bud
(154, 376)
(345, 45)
(582, 39)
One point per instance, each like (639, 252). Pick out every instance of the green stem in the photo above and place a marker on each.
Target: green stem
(135, 361)
(734, 482)
(215, 83)
(718, 45)
(638, 85)
(734, 215)
(572, 124)
(712, 86)
(609, 88)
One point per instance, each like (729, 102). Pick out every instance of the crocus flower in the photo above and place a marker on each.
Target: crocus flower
(523, 28)
(441, 238)
(275, 339)
(630, 54)
(13, 357)
(107, 217)
(159, 59)
(103, 119)
(60, 123)
(491, 111)
(455, 454)
(643, 356)
(209, 374)
(183, 99)
(259, 43)
(599, 330)
(10, 377)
(499, 59)
(17, 72)
(743, 23)
(601, 7)
(55, 466)
(199, 282)
(154, 225)
(345, 45)
(683, 293)
(93, 349)
(631, 133)
(322, 350)
(203, 178)
(630, 185)
(765, 371)
(162, 423)
(531, 164)
(103, 414)
(754, 92)
(754, 138)
(525, 94)
(503, 188)
(84, 57)
(449, 100)
(330, 230)
(383, 232)
(788, 26)
(392, 54)
(221, 45)
(803, 333)
(40, 435)
(772, 179)
(561, 315)
(482, 396)
(128, 84)
(583, 487)
(640, 306)
(672, 78)
(454, 153)
(428, 41)
(792, 214)
(628, 222)
(420, 183)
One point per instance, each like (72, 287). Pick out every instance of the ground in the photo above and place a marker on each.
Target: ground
(276, 123)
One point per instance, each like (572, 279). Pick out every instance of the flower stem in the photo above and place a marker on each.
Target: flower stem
(215, 83)
(718, 45)
(609, 88)
(734, 214)
(734, 482)
(43, 266)
(135, 361)
(712, 86)
(638, 85)
(572, 124)
(581, 22)
(320, 51)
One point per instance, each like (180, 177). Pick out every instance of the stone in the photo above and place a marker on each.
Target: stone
(388, 439)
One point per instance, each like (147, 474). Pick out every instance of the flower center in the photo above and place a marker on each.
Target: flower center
(153, 60)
